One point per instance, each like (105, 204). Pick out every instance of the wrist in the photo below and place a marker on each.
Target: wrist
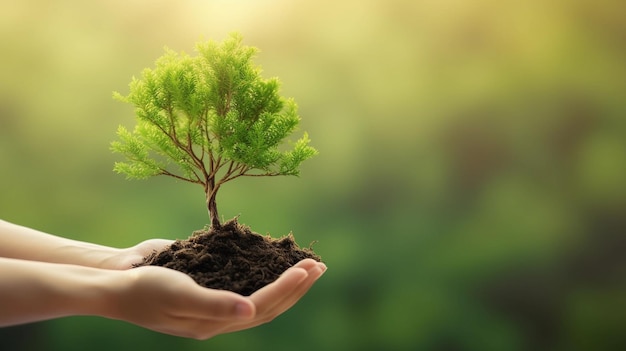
(105, 290)
(116, 294)
(40, 291)
(85, 290)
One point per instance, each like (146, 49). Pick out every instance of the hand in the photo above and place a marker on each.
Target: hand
(277, 297)
(129, 257)
(171, 302)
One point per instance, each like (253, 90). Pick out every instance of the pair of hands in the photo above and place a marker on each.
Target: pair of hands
(170, 302)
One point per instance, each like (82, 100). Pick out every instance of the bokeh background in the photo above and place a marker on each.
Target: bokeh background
(469, 193)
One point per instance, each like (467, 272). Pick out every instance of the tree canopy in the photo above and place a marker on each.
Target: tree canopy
(208, 119)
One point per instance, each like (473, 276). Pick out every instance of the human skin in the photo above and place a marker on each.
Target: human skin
(43, 276)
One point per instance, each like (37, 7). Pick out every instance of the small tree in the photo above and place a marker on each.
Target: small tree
(209, 119)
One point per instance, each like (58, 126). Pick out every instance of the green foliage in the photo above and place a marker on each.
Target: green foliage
(208, 119)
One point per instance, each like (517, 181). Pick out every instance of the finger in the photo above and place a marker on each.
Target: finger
(194, 328)
(306, 264)
(295, 292)
(177, 294)
(303, 287)
(265, 298)
(282, 303)
(194, 301)
(288, 295)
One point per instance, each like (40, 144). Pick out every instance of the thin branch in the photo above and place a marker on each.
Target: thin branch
(215, 166)
(204, 128)
(230, 168)
(170, 174)
(189, 149)
(245, 174)
(171, 134)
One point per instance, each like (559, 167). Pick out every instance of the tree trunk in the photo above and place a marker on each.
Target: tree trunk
(211, 193)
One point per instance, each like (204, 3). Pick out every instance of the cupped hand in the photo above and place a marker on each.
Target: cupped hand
(279, 296)
(170, 302)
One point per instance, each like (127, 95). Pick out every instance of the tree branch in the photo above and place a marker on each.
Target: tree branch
(170, 174)
(245, 174)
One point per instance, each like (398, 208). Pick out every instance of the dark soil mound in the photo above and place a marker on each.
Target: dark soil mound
(231, 258)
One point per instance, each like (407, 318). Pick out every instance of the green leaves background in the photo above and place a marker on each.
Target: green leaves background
(484, 142)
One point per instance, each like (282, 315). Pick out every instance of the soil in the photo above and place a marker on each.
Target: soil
(231, 258)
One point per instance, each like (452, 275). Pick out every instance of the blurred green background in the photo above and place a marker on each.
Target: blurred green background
(469, 193)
